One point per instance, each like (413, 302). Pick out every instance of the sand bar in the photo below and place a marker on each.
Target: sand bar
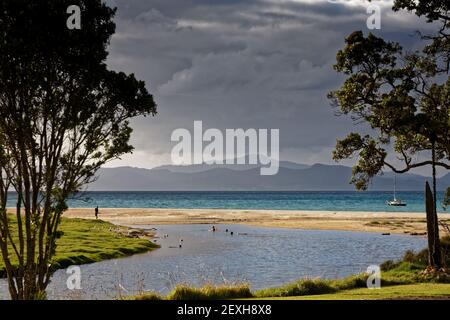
(384, 222)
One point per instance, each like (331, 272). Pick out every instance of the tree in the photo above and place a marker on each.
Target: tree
(406, 107)
(439, 48)
(63, 115)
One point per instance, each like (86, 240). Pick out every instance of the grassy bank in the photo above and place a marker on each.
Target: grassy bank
(208, 292)
(411, 291)
(85, 241)
(317, 291)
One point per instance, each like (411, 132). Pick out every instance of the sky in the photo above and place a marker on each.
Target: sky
(243, 64)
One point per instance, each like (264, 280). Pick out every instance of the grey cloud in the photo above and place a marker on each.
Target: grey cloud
(252, 63)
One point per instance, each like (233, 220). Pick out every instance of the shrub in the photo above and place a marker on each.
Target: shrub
(388, 265)
(299, 288)
(210, 292)
(417, 258)
(148, 296)
(352, 282)
(421, 257)
(445, 245)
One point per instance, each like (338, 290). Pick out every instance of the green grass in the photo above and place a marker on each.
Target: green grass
(146, 296)
(310, 290)
(210, 292)
(207, 292)
(87, 241)
(305, 287)
(403, 280)
(412, 291)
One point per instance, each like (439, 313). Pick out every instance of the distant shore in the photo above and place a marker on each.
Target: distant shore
(382, 222)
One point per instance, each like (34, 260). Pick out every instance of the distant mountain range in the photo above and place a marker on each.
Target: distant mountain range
(291, 177)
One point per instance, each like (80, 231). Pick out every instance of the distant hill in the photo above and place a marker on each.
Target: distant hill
(238, 167)
(291, 177)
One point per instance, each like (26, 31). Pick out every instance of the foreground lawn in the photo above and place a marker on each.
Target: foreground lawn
(87, 241)
(412, 291)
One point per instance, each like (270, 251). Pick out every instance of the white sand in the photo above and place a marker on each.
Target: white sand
(385, 222)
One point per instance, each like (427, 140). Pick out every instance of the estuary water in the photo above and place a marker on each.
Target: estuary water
(263, 257)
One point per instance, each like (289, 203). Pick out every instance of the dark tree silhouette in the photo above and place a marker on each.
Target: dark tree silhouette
(63, 115)
(404, 98)
(435, 11)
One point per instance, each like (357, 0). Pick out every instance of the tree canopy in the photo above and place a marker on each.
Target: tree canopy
(404, 100)
(396, 94)
(63, 114)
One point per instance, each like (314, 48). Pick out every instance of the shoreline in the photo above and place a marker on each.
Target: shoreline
(383, 222)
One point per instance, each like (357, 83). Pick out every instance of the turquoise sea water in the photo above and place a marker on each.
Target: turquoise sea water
(328, 201)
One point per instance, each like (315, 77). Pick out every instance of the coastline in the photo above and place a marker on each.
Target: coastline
(383, 222)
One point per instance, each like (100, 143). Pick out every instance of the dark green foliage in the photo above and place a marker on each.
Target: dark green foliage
(148, 296)
(404, 98)
(210, 292)
(314, 286)
(63, 115)
(417, 261)
(384, 89)
(420, 258)
(438, 12)
(388, 265)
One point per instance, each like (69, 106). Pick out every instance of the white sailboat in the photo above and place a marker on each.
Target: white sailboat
(395, 202)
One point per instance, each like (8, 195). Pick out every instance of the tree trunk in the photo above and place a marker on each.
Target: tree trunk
(434, 243)
(430, 223)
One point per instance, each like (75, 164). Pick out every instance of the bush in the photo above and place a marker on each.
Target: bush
(148, 296)
(210, 292)
(389, 265)
(445, 245)
(299, 288)
(352, 282)
(421, 258)
(319, 286)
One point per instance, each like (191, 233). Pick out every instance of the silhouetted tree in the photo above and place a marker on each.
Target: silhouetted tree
(63, 115)
(406, 107)
(435, 11)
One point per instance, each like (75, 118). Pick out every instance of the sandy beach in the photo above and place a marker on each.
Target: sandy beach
(383, 222)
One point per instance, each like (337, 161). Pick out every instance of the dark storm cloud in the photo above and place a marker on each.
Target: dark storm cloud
(249, 64)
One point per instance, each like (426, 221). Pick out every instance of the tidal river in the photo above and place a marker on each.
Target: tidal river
(263, 257)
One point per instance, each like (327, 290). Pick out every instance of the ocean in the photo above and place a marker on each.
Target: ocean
(320, 201)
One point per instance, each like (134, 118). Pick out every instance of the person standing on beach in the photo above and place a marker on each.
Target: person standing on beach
(96, 212)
